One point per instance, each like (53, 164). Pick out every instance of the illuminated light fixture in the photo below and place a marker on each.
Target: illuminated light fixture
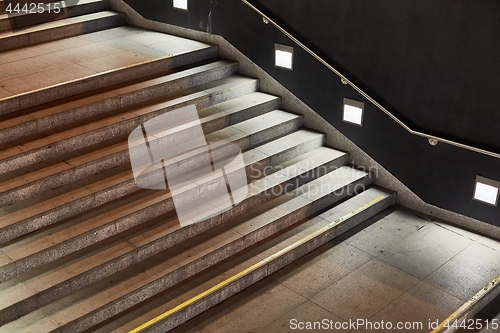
(486, 190)
(353, 112)
(283, 56)
(181, 4)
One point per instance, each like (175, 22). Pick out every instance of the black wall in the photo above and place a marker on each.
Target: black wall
(432, 63)
(435, 63)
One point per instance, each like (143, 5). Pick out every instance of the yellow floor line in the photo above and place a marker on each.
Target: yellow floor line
(464, 308)
(255, 266)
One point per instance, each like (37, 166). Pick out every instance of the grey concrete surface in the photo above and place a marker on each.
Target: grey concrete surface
(350, 279)
(15, 21)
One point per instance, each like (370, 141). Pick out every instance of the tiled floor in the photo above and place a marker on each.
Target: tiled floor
(78, 57)
(399, 269)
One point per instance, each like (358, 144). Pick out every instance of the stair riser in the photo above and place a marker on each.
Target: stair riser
(17, 22)
(153, 248)
(118, 226)
(238, 285)
(205, 262)
(74, 174)
(46, 35)
(104, 80)
(117, 191)
(111, 104)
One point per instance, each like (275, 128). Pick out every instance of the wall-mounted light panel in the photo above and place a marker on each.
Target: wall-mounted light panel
(181, 4)
(353, 112)
(283, 56)
(486, 190)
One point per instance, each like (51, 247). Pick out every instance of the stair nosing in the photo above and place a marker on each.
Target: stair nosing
(94, 76)
(35, 119)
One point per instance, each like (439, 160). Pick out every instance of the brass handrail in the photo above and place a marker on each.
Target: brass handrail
(433, 140)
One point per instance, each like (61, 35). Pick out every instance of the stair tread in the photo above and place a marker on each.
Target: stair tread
(244, 227)
(96, 298)
(251, 126)
(87, 56)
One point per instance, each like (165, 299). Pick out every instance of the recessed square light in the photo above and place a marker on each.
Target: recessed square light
(283, 56)
(181, 4)
(353, 112)
(486, 190)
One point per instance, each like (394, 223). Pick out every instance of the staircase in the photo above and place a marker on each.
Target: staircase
(83, 248)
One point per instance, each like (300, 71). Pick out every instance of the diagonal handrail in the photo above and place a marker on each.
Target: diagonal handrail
(433, 140)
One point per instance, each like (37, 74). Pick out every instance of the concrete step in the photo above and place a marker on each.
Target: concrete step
(64, 28)
(49, 12)
(102, 262)
(48, 245)
(174, 306)
(101, 191)
(88, 63)
(2, 6)
(102, 300)
(124, 97)
(93, 161)
(61, 143)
